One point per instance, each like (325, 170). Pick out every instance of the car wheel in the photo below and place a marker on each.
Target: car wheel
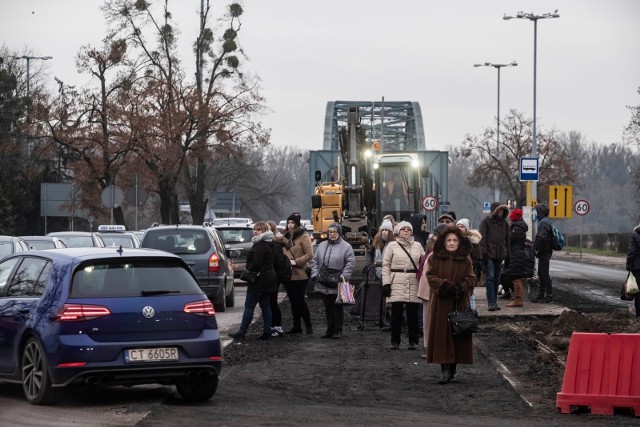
(197, 390)
(231, 298)
(36, 382)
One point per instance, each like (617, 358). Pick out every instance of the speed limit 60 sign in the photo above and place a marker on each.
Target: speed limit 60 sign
(581, 207)
(430, 203)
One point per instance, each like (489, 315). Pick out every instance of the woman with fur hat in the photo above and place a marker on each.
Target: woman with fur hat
(300, 251)
(333, 256)
(400, 284)
(451, 280)
(423, 285)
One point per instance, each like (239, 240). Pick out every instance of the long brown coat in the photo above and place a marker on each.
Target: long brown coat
(456, 267)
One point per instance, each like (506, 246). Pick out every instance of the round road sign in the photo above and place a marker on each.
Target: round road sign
(430, 203)
(581, 207)
(112, 197)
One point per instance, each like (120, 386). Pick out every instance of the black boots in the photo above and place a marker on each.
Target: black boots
(448, 372)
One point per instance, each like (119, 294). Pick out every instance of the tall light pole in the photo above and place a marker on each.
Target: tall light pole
(533, 196)
(497, 67)
(28, 59)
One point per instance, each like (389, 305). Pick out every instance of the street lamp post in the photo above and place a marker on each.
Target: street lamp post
(533, 196)
(28, 59)
(497, 67)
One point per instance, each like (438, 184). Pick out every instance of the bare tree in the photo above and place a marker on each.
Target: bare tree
(501, 168)
(190, 123)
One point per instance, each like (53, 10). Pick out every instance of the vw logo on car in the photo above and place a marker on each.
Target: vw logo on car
(148, 312)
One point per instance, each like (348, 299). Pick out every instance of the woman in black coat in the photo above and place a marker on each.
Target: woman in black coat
(515, 265)
(260, 260)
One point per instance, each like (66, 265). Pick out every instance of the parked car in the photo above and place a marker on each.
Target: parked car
(43, 242)
(85, 316)
(204, 252)
(238, 238)
(11, 244)
(79, 239)
(117, 235)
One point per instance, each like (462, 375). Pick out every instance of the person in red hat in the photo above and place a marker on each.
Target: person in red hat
(515, 265)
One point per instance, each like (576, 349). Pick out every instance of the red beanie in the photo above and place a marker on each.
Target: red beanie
(515, 215)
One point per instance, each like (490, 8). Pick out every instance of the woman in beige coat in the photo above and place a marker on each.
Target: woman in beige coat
(400, 284)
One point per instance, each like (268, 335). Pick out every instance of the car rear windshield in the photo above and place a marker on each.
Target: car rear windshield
(132, 277)
(114, 239)
(178, 241)
(41, 244)
(236, 235)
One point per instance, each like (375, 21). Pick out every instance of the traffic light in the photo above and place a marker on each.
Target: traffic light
(376, 146)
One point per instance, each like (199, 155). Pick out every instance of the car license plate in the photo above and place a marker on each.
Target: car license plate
(163, 354)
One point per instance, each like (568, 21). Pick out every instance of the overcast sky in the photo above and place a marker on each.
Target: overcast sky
(310, 52)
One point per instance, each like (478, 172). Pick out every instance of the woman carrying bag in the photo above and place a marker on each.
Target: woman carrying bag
(400, 283)
(633, 263)
(332, 260)
(259, 260)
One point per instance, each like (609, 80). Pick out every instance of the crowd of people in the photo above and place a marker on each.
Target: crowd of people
(424, 276)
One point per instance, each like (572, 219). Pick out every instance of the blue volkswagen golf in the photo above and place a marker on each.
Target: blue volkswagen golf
(108, 316)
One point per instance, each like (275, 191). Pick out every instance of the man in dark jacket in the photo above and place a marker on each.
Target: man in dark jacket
(494, 247)
(543, 248)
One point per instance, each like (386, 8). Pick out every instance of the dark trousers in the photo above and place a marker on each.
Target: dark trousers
(334, 312)
(543, 275)
(412, 321)
(253, 299)
(296, 291)
(636, 299)
(276, 314)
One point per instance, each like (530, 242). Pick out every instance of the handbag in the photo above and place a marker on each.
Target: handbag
(624, 295)
(631, 286)
(463, 321)
(249, 276)
(345, 293)
(330, 277)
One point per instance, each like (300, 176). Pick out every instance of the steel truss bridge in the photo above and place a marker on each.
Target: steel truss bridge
(397, 125)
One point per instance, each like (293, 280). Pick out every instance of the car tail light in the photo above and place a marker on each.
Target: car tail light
(203, 307)
(71, 312)
(214, 263)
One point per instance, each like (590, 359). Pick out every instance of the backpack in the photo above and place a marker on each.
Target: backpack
(529, 259)
(282, 265)
(557, 239)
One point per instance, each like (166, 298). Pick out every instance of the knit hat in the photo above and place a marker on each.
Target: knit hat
(386, 225)
(295, 217)
(465, 222)
(402, 224)
(336, 226)
(515, 215)
(446, 216)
